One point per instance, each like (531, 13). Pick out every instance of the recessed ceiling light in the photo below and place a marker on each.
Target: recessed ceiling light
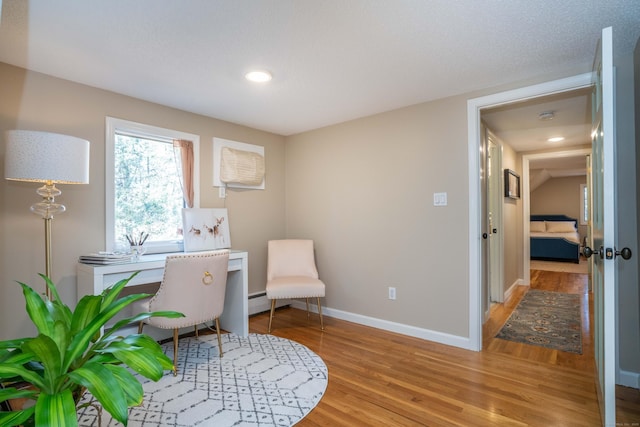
(556, 139)
(546, 115)
(258, 76)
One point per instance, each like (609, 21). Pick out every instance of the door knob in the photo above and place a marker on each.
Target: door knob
(625, 253)
(484, 236)
(495, 231)
(587, 252)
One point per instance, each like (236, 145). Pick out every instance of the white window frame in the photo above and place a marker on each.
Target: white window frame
(113, 126)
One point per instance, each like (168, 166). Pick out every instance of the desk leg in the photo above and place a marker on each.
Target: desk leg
(235, 317)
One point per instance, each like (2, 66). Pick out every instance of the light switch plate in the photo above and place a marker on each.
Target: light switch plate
(439, 199)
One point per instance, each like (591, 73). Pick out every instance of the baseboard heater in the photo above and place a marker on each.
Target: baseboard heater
(259, 303)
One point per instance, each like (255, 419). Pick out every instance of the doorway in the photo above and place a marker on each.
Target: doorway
(474, 108)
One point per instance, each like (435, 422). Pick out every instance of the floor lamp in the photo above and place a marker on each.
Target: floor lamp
(49, 158)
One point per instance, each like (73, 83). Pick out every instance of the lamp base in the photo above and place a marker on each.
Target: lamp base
(47, 207)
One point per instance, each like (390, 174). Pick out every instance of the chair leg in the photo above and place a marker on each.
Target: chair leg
(273, 307)
(219, 338)
(175, 352)
(320, 313)
(308, 313)
(140, 326)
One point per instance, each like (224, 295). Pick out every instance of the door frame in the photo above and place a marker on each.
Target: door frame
(474, 107)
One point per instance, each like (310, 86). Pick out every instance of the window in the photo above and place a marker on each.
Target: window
(584, 204)
(144, 184)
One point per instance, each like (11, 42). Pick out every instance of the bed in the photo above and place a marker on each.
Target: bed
(554, 238)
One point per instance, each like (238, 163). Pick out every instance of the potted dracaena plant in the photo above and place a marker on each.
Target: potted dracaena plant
(70, 355)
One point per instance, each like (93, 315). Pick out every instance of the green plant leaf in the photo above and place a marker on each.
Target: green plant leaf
(145, 341)
(130, 385)
(14, 393)
(48, 354)
(16, 418)
(86, 310)
(111, 293)
(37, 310)
(61, 335)
(139, 359)
(18, 357)
(11, 344)
(104, 386)
(57, 410)
(81, 340)
(52, 287)
(10, 370)
(58, 310)
(142, 316)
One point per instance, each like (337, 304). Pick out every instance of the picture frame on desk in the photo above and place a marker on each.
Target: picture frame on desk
(205, 229)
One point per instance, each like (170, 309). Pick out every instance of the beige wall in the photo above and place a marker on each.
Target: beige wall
(363, 190)
(512, 223)
(559, 196)
(38, 102)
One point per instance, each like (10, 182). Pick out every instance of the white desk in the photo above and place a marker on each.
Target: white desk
(93, 279)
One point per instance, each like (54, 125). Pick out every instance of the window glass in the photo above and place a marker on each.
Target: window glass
(144, 189)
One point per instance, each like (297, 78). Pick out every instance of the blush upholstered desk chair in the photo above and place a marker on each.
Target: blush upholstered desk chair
(193, 284)
(292, 273)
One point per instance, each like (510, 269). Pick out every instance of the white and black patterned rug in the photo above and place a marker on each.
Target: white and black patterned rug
(261, 380)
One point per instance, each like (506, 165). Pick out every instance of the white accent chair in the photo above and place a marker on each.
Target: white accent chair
(292, 273)
(193, 284)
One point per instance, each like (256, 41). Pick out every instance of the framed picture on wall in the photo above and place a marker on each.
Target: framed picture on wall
(511, 184)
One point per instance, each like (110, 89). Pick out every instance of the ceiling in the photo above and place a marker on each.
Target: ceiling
(522, 126)
(331, 60)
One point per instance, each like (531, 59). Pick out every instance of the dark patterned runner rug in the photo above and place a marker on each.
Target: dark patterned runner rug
(546, 319)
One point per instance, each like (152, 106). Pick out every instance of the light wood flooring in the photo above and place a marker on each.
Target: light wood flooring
(378, 378)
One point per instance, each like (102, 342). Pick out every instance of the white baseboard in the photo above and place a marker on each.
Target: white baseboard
(509, 291)
(506, 297)
(259, 303)
(412, 331)
(628, 379)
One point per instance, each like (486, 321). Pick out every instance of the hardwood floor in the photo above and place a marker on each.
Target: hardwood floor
(378, 378)
(570, 283)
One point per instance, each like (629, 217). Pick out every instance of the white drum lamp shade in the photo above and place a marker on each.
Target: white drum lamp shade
(42, 157)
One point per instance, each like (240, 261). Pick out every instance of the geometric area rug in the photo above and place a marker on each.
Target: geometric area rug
(260, 381)
(546, 319)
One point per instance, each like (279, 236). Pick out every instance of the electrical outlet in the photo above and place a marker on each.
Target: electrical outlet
(392, 293)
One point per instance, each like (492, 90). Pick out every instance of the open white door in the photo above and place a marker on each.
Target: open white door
(603, 226)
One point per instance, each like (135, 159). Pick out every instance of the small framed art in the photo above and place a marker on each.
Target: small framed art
(511, 184)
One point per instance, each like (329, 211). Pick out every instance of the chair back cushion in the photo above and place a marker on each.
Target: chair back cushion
(291, 257)
(193, 284)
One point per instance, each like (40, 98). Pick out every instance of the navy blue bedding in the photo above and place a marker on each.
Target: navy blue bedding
(548, 248)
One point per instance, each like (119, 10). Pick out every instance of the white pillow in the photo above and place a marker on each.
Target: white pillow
(560, 226)
(537, 226)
